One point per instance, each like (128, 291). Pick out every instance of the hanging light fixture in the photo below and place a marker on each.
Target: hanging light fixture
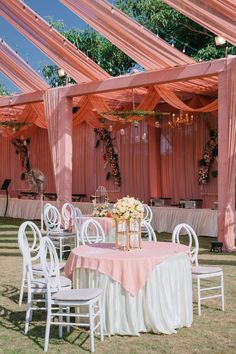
(181, 119)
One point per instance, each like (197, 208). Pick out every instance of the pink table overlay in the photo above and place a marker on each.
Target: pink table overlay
(131, 268)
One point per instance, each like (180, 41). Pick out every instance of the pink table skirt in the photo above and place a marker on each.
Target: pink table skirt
(131, 269)
(108, 225)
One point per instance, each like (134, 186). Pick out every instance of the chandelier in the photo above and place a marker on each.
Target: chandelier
(181, 119)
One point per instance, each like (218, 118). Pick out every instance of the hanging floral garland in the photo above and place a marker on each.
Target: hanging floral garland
(21, 147)
(110, 155)
(209, 155)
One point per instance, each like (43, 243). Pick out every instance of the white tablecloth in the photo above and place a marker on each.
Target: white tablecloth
(163, 305)
(30, 209)
(203, 221)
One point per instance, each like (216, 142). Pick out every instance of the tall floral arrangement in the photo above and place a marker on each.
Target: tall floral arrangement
(110, 155)
(22, 149)
(128, 208)
(209, 155)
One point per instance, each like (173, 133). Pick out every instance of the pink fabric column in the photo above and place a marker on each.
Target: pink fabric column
(154, 162)
(227, 156)
(58, 112)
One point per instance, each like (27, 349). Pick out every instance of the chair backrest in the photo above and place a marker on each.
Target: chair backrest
(29, 238)
(92, 232)
(147, 216)
(52, 218)
(192, 240)
(68, 215)
(147, 227)
(50, 264)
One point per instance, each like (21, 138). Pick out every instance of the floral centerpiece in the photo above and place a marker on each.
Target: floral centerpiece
(209, 155)
(101, 210)
(128, 213)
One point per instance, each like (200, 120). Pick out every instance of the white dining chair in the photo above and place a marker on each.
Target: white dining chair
(66, 299)
(200, 272)
(55, 230)
(147, 215)
(148, 230)
(33, 279)
(92, 232)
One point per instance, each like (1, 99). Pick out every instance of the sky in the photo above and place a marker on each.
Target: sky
(27, 50)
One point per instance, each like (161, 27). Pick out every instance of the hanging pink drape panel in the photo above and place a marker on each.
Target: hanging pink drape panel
(227, 156)
(218, 16)
(50, 42)
(181, 149)
(58, 113)
(18, 71)
(137, 42)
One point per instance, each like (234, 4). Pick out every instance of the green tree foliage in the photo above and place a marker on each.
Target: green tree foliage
(3, 91)
(168, 24)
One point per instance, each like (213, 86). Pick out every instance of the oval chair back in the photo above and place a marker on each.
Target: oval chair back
(68, 213)
(52, 219)
(50, 264)
(147, 216)
(192, 240)
(148, 229)
(92, 232)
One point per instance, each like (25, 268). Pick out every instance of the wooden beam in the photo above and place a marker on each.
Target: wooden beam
(18, 100)
(147, 78)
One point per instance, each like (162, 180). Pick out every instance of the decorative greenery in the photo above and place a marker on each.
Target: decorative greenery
(14, 124)
(131, 113)
(209, 155)
(21, 147)
(110, 156)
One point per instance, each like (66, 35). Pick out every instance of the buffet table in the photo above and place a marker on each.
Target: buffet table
(147, 290)
(203, 221)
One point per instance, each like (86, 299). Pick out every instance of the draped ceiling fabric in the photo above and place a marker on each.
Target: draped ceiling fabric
(18, 71)
(136, 41)
(75, 63)
(218, 16)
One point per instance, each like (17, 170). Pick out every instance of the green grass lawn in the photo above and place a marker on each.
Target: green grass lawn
(212, 333)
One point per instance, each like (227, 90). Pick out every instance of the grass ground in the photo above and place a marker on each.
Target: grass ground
(212, 333)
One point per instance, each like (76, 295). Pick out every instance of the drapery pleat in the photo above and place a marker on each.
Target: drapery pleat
(227, 156)
(50, 42)
(218, 16)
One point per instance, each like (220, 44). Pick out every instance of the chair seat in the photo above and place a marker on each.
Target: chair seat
(42, 284)
(77, 294)
(37, 267)
(206, 270)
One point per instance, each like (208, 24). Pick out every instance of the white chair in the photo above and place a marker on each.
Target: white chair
(92, 232)
(147, 213)
(61, 238)
(74, 298)
(199, 273)
(33, 279)
(147, 229)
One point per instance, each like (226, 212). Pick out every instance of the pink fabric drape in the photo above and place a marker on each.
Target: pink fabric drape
(137, 42)
(18, 71)
(50, 42)
(171, 98)
(227, 156)
(58, 113)
(218, 16)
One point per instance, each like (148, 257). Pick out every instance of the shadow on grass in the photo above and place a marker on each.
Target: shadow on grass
(14, 320)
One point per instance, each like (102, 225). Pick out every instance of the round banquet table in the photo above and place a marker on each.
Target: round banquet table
(147, 290)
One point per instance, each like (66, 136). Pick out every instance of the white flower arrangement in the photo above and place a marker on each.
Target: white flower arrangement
(101, 210)
(128, 208)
